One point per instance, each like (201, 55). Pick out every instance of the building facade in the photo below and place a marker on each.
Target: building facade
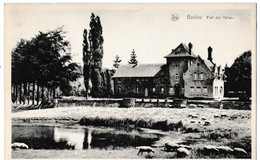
(183, 75)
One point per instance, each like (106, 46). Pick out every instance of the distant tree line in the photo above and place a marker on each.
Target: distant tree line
(42, 64)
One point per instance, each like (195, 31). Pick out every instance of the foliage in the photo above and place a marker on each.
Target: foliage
(117, 62)
(87, 61)
(44, 60)
(240, 73)
(100, 79)
(133, 59)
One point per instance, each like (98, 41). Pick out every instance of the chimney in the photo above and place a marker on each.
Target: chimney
(190, 47)
(210, 54)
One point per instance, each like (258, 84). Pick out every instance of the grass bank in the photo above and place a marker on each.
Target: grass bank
(228, 127)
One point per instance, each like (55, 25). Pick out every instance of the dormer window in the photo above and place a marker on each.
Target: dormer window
(195, 76)
(201, 76)
(177, 76)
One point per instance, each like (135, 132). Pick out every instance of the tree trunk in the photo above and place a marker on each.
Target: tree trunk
(42, 93)
(33, 97)
(53, 93)
(28, 93)
(20, 93)
(24, 92)
(48, 93)
(38, 93)
(13, 93)
(16, 93)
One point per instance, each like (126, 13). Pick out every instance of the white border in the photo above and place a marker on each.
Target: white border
(80, 1)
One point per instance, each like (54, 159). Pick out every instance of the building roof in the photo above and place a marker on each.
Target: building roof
(209, 64)
(141, 70)
(181, 51)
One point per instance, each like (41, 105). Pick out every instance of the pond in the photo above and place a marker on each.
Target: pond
(79, 138)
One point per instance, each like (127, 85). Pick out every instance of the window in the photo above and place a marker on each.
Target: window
(195, 76)
(198, 90)
(171, 90)
(192, 89)
(205, 90)
(153, 89)
(201, 76)
(216, 90)
(221, 90)
(162, 90)
(177, 76)
(137, 90)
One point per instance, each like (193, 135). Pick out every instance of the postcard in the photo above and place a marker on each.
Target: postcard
(130, 81)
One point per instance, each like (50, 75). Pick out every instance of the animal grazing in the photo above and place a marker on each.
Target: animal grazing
(207, 123)
(19, 145)
(224, 115)
(183, 106)
(192, 121)
(203, 118)
(201, 106)
(210, 149)
(224, 149)
(147, 149)
(216, 116)
(195, 116)
(240, 151)
(193, 106)
(182, 152)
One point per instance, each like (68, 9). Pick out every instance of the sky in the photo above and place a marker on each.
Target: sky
(148, 29)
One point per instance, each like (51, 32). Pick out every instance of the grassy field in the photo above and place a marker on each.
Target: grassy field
(233, 129)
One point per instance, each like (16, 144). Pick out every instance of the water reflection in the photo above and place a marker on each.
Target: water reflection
(73, 137)
(47, 137)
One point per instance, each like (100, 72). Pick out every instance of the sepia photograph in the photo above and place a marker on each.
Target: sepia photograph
(130, 81)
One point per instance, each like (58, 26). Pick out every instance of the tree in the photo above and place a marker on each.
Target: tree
(117, 62)
(44, 60)
(240, 73)
(96, 48)
(87, 62)
(133, 59)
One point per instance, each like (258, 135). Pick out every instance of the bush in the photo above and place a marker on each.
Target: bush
(243, 97)
(127, 103)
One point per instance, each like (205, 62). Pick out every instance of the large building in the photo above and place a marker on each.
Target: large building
(183, 75)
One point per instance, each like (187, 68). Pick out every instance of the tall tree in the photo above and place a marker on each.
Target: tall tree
(96, 48)
(133, 59)
(117, 62)
(87, 62)
(240, 73)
